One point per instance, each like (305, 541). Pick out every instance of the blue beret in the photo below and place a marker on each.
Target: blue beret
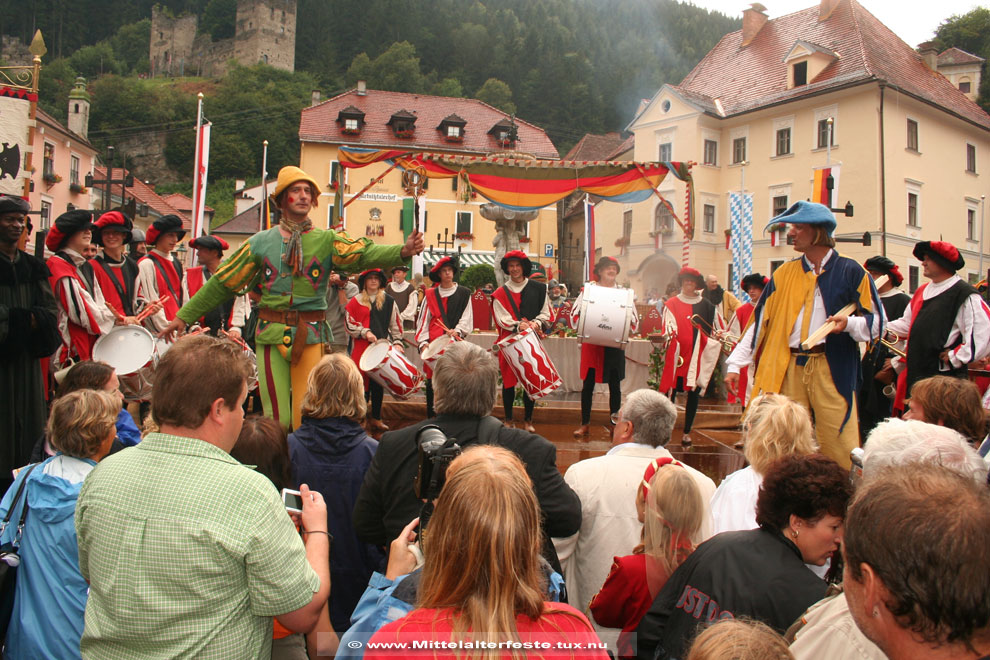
(806, 213)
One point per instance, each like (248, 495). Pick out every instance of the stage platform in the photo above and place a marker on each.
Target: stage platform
(713, 438)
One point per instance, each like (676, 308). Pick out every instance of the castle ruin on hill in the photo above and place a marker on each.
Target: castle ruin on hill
(265, 31)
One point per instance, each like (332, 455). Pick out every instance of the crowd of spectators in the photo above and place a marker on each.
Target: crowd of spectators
(459, 535)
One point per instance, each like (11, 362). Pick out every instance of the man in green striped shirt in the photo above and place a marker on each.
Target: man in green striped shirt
(188, 552)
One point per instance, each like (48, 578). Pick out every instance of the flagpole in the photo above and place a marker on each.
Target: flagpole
(191, 259)
(265, 218)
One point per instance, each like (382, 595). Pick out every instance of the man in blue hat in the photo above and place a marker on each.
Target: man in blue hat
(801, 297)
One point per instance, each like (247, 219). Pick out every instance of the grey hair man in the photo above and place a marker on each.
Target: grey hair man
(610, 524)
(829, 630)
(464, 381)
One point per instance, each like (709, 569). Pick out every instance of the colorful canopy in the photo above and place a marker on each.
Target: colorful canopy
(528, 184)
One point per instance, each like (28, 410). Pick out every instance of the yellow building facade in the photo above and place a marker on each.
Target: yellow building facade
(452, 222)
(911, 152)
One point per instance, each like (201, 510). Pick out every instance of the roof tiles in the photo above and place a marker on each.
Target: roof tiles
(319, 124)
(755, 76)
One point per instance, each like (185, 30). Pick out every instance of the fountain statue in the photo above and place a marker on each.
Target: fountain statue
(510, 226)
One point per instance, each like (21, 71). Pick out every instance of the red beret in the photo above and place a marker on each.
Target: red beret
(113, 220)
(446, 261)
(523, 259)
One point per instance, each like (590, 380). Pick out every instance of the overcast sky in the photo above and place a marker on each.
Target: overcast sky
(914, 22)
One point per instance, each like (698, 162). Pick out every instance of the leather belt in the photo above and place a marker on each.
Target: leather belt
(294, 318)
(291, 317)
(820, 348)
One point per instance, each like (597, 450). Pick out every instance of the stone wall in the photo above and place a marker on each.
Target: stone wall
(171, 50)
(265, 31)
(15, 52)
(146, 157)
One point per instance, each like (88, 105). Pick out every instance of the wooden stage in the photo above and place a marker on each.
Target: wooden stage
(713, 437)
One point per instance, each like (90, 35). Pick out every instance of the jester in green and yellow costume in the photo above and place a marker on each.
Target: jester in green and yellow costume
(291, 263)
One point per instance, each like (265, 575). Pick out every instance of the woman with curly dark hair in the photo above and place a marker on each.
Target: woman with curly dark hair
(760, 573)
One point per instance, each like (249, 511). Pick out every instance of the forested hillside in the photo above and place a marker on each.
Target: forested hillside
(571, 66)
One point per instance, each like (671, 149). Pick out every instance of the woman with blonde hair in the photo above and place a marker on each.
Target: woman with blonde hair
(775, 426)
(50, 597)
(331, 452)
(739, 639)
(372, 315)
(672, 509)
(482, 582)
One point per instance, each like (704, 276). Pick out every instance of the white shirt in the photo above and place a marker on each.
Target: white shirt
(463, 327)
(734, 503)
(971, 322)
(504, 318)
(610, 526)
(148, 288)
(856, 327)
(77, 300)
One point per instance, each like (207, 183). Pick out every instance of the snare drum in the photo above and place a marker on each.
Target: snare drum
(434, 350)
(388, 366)
(606, 315)
(530, 362)
(134, 353)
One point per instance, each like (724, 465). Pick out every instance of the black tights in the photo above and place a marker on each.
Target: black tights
(509, 397)
(429, 398)
(588, 390)
(690, 407)
(376, 393)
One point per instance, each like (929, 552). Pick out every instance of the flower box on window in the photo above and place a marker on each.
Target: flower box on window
(51, 177)
(404, 134)
(458, 139)
(78, 188)
(622, 241)
(524, 239)
(464, 236)
(351, 131)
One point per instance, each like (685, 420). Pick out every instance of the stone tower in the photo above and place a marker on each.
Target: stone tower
(171, 51)
(79, 108)
(266, 32)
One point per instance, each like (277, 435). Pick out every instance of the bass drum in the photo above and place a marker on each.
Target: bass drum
(606, 315)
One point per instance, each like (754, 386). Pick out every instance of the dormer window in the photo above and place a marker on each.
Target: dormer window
(805, 61)
(351, 120)
(504, 133)
(452, 128)
(403, 124)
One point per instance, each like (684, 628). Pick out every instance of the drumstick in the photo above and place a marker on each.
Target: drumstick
(827, 328)
(116, 315)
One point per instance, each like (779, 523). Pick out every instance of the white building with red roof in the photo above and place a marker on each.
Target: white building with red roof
(375, 119)
(912, 150)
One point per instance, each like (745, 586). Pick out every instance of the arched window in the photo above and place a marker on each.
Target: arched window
(663, 220)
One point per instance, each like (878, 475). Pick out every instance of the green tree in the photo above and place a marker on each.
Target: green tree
(397, 69)
(95, 61)
(970, 32)
(54, 84)
(496, 94)
(130, 44)
(448, 87)
(218, 19)
(477, 276)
